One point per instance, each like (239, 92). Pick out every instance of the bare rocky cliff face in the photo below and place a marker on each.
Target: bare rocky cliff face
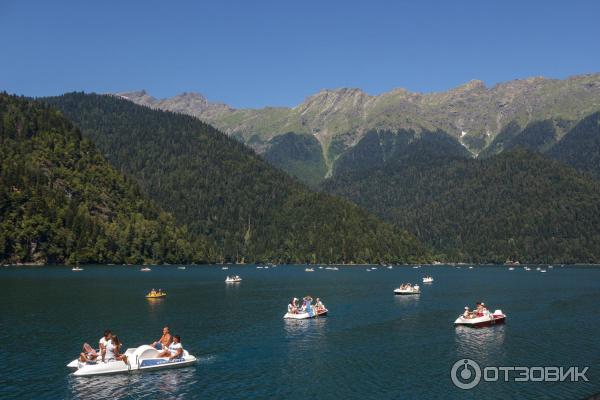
(186, 103)
(471, 113)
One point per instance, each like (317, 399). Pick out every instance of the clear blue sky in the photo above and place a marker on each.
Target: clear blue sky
(255, 53)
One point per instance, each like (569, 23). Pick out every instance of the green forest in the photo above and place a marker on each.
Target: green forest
(221, 190)
(61, 202)
(89, 178)
(515, 205)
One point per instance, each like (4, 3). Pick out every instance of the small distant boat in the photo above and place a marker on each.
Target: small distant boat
(511, 269)
(417, 266)
(76, 269)
(233, 279)
(389, 267)
(309, 270)
(498, 317)
(471, 267)
(156, 294)
(266, 267)
(224, 268)
(527, 268)
(414, 289)
(259, 267)
(180, 267)
(542, 270)
(368, 270)
(145, 269)
(427, 279)
(140, 359)
(538, 269)
(550, 266)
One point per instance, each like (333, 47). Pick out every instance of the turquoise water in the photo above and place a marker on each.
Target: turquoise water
(373, 345)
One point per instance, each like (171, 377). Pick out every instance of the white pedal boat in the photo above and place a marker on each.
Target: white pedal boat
(498, 317)
(143, 358)
(428, 279)
(233, 279)
(306, 315)
(415, 289)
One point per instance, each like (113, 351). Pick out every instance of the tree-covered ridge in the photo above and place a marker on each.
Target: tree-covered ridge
(223, 190)
(517, 204)
(378, 148)
(580, 147)
(299, 155)
(539, 136)
(60, 201)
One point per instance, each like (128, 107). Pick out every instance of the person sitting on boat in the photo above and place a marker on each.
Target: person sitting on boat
(479, 309)
(113, 350)
(467, 313)
(293, 306)
(88, 353)
(303, 306)
(104, 340)
(175, 349)
(319, 305)
(164, 341)
(484, 309)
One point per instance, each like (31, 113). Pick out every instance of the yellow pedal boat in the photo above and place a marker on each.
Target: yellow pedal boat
(156, 295)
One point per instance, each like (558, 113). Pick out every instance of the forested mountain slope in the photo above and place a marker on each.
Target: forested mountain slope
(60, 200)
(517, 204)
(580, 147)
(221, 189)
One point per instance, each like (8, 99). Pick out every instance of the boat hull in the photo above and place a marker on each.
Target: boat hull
(406, 293)
(305, 315)
(481, 322)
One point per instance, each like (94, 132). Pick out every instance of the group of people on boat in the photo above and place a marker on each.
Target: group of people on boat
(156, 293)
(109, 345)
(295, 308)
(479, 311)
(109, 349)
(408, 286)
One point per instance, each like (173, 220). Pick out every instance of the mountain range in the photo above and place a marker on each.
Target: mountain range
(319, 132)
(473, 174)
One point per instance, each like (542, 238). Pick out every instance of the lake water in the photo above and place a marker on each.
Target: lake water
(373, 345)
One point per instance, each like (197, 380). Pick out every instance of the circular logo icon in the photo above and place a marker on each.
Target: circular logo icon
(465, 374)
